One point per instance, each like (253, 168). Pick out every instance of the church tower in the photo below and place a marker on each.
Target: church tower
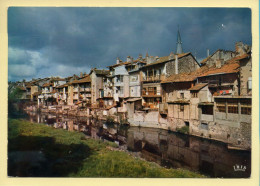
(179, 43)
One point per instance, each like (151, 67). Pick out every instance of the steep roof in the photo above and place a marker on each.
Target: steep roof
(207, 58)
(100, 71)
(86, 79)
(185, 77)
(166, 59)
(120, 64)
(47, 84)
(198, 86)
(127, 63)
(62, 86)
(231, 66)
(57, 79)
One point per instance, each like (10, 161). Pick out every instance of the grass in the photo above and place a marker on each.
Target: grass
(70, 154)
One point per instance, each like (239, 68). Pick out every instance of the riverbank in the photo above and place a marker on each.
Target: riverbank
(37, 150)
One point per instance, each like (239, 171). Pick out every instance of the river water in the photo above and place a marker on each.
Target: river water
(169, 149)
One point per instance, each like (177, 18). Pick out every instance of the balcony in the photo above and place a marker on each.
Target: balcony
(152, 93)
(87, 89)
(152, 78)
(76, 97)
(82, 89)
(88, 95)
(75, 89)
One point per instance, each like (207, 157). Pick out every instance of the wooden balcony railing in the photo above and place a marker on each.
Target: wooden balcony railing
(152, 78)
(151, 93)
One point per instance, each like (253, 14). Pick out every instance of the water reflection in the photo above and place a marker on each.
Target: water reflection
(182, 151)
(166, 148)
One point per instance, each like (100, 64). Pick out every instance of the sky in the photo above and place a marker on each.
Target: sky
(55, 41)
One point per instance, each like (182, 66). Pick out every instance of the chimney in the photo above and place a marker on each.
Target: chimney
(156, 58)
(146, 56)
(207, 52)
(176, 64)
(140, 56)
(81, 74)
(171, 56)
(242, 48)
(117, 60)
(150, 59)
(129, 59)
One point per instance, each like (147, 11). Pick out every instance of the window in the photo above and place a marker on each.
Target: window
(182, 95)
(121, 90)
(233, 106)
(144, 91)
(246, 106)
(207, 109)
(194, 94)
(221, 106)
(181, 108)
(249, 83)
(121, 78)
(152, 90)
(159, 72)
(150, 100)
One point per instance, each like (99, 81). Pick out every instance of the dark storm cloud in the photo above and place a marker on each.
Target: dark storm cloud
(61, 41)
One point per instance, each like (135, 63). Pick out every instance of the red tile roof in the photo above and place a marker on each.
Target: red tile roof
(57, 79)
(86, 79)
(47, 85)
(231, 66)
(62, 86)
(198, 86)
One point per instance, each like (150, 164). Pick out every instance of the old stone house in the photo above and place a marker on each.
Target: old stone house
(158, 69)
(219, 56)
(62, 91)
(133, 69)
(209, 102)
(97, 91)
(121, 83)
(106, 99)
(82, 90)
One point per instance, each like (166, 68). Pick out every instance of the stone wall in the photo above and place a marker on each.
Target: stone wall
(245, 74)
(185, 65)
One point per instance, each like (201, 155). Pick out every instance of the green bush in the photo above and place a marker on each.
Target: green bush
(183, 130)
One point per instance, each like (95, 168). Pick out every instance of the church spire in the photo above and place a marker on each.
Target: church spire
(179, 43)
